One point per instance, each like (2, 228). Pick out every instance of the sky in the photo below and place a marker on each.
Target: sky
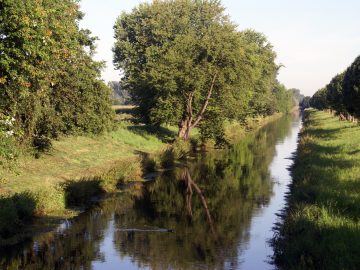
(313, 39)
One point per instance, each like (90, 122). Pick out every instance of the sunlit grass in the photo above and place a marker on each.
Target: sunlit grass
(80, 156)
(322, 229)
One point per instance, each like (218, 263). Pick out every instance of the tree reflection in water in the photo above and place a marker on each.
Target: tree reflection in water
(208, 202)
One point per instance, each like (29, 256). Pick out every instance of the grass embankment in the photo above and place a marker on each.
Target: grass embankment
(78, 168)
(75, 169)
(321, 229)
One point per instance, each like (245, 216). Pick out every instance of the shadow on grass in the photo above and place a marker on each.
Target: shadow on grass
(318, 149)
(324, 133)
(354, 152)
(319, 246)
(321, 229)
(126, 110)
(164, 134)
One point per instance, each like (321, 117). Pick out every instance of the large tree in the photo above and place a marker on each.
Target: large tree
(184, 63)
(48, 80)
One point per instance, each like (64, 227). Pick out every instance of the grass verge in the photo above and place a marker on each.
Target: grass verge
(321, 229)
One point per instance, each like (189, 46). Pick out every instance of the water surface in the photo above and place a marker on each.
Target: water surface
(215, 211)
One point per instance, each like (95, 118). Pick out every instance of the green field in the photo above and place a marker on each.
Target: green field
(322, 224)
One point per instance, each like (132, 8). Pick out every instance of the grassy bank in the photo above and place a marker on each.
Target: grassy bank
(78, 168)
(321, 229)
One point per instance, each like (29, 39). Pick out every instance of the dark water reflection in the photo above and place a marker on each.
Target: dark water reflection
(214, 212)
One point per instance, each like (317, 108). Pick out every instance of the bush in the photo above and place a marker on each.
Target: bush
(122, 172)
(50, 198)
(8, 146)
(14, 211)
(78, 193)
(8, 217)
(181, 149)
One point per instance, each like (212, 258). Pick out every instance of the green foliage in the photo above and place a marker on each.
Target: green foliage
(184, 58)
(14, 211)
(260, 77)
(119, 96)
(8, 146)
(305, 102)
(334, 92)
(283, 99)
(298, 97)
(79, 193)
(48, 81)
(179, 150)
(49, 199)
(319, 100)
(351, 88)
(212, 128)
(342, 94)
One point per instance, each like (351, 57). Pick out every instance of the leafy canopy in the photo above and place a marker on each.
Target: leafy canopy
(185, 63)
(48, 82)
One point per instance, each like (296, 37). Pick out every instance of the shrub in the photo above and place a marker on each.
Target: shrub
(48, 199)
(14, 211)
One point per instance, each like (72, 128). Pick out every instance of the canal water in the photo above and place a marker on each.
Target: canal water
(215, 211)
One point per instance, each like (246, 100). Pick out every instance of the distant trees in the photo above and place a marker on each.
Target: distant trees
(298, 97)
(185, 63)
(305, 103)
(283, 98)
(342, 94)
(49, 83)
(319, 100)
(119, 96)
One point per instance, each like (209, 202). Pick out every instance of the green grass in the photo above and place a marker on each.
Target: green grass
(321, 229)
(78, 157)
(74, 170)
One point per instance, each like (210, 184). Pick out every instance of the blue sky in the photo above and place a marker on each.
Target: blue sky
(314, 39)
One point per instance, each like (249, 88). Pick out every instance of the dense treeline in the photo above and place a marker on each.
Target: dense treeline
(185, 63)
(342, 94)
(49, 84)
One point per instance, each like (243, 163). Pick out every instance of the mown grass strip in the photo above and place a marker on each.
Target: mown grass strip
(321, 229)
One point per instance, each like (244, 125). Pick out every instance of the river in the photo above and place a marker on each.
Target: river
(214, 211)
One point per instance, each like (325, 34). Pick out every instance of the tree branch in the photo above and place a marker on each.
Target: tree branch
(189, 107)
(206, 102)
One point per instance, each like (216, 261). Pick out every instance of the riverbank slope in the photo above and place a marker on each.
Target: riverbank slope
(321, 229)
(61, 181)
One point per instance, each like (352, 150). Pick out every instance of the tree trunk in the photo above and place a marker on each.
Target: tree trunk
(342, 117)
(187, 122)
(190, 186)
(184, 129)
